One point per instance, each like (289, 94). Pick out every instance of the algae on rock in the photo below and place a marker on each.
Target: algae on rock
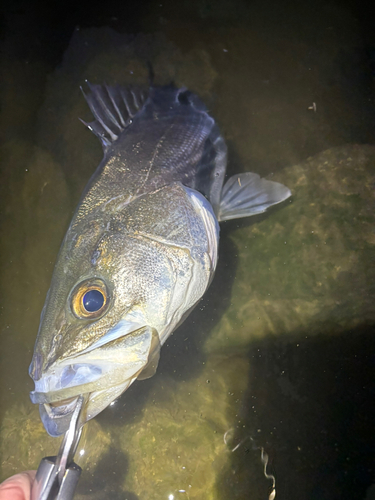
(24, 441)
(308, 267)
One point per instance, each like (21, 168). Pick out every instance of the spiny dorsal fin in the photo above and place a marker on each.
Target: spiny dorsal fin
(113, 109)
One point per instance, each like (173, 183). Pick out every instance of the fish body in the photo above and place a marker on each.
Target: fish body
(141, 248)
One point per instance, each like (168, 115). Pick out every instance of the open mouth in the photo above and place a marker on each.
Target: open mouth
(65, 402)
(100, 375)
(61, 408)
(56, 415)
(58, 390)
(56, 419)
(62, 384)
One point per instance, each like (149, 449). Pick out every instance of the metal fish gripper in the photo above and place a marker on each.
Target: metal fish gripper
(58, 476)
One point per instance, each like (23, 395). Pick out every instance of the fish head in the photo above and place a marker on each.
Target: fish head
(99, 326)
(122, 283)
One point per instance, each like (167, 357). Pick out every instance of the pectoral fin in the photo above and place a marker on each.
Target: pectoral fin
(247, 194)
(153, 359)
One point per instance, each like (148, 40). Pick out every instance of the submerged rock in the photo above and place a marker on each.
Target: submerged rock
(24, 441)
(307, 268)
(101, 55)
(175, 447)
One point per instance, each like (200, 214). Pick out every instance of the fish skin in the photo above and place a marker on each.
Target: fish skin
(170, 151)
(146, 231)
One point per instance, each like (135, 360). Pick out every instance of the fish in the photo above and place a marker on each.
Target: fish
(141, 249)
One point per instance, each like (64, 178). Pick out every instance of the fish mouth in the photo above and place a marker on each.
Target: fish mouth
(101, 375)
(64, 407)
(56, 416)
(56, 407)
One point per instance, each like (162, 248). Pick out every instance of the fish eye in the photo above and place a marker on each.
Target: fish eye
(89, 299)
(93, 300)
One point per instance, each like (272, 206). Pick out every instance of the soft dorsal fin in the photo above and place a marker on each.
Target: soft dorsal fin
(113, 109)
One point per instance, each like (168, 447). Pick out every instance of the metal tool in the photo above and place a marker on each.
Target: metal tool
(57, 477)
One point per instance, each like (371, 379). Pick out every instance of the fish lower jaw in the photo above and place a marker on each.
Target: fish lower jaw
(100, 376)
(60, 408)
(56, 416)
(57, 402)
(64, 402)
(57, 406)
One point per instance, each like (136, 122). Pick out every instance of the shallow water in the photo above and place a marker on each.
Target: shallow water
(279, 354)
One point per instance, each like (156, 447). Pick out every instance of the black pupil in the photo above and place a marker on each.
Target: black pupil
(93, 301)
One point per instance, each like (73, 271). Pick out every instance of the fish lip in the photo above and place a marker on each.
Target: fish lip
(56, 420)
(111, 368)
(88, 372)
(35, 368)
(47, 388)
(50, 398)
(65, 408)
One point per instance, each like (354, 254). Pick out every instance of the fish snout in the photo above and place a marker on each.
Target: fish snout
(101, 375)
(35, 368)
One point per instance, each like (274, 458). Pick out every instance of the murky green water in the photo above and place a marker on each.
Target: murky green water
(280, 352)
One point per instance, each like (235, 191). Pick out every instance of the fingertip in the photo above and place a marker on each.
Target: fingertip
(17, 487)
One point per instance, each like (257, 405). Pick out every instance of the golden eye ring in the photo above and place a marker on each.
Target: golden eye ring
(89, 299)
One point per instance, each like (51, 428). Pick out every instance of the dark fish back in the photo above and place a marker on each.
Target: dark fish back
(169, 138)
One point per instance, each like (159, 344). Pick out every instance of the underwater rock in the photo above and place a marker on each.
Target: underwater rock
(176, 445)
(24, 441)
(308, 267)
(178, 448)
(103, 56)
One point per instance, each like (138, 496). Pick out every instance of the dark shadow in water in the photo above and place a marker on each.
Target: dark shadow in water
(36, 29)
(311, 405)
(108, 478)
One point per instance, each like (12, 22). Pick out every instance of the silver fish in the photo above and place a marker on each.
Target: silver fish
(141, 249)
